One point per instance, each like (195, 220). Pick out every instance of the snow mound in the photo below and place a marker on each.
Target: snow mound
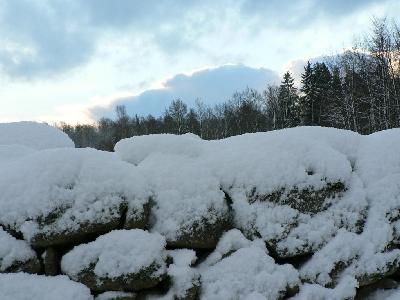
(138, 148)
(33, 135)
(118, 253)
(22, 286)
(379, 155)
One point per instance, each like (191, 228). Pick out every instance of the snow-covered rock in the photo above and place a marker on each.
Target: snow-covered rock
(117, 261)
(60, 196)
(23, 286)
(16, 255)
(277, 181)
(33, 135)
(190, 209)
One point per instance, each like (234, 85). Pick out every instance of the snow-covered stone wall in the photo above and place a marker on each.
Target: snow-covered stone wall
(301, 213)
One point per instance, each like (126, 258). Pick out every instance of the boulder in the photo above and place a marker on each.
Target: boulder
(122, 260)
(67, 196)
(202, 234)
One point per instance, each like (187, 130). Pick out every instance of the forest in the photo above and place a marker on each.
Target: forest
(358, 90)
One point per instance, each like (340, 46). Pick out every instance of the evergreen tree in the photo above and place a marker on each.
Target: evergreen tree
(336, 113)
(288, 101)
(321, 81)
(306, 105)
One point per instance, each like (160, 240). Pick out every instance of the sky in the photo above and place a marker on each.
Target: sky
(75, 60)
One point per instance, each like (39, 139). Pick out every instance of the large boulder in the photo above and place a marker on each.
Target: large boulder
(17, 255)
(122, 260)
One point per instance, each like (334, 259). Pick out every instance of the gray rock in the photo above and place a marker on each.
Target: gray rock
(32, 266)
(202, 235)
(51, 262)
(133, 282)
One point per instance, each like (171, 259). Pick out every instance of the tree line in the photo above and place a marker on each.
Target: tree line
(357, 90)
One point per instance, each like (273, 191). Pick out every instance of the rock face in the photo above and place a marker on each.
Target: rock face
(306, 200)
(202, 234)
(121, 260)
(48, 231)
(49, 235)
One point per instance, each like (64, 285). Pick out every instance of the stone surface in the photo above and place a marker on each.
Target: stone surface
(202, 235)
(51, 262)
(132, 282)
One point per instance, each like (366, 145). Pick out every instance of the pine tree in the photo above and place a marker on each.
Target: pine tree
(336, 113)
(321, 82)
(306, 105)
(288, 101)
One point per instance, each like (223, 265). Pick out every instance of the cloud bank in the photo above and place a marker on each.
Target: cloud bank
(211, 86)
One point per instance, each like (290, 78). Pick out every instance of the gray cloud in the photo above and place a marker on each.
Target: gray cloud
(302, 13)
(39, 38)
(210, 85)
(42, 38)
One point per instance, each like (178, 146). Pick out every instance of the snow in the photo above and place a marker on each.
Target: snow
(21, 286)
(12, 152)
(112, 295)
(33, 135)
(346, 289)
(139, 148)
(13, 251)
(231, 241)
(379, 155)
(247, 272)
(117, 253)
(85, 184)
(182, 274)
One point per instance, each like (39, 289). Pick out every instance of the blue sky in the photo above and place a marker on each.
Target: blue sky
(74, 60)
